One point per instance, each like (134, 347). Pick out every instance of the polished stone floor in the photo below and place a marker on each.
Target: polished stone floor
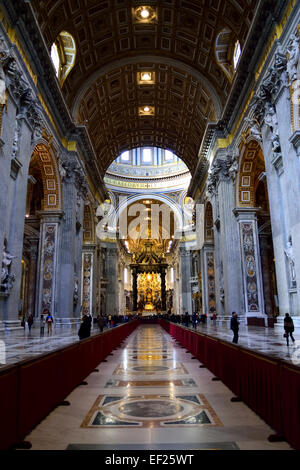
(151, 394)
(18, 345)
(268, 341)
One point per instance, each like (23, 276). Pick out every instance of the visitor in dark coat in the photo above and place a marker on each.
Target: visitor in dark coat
(288, 328)
(85, 327)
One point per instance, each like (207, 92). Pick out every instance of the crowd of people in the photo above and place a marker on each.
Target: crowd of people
(110, 321)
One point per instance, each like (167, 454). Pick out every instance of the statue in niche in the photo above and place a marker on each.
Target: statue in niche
(271, 119)
(254, 128)
(15, 146)
(291, 260)
(293, 58)
(2, 86)
(7, 279)
(76, 290)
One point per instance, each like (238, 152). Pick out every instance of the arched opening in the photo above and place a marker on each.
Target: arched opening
(253, 193)
(43, 195)
(228, 52)
(63, 55)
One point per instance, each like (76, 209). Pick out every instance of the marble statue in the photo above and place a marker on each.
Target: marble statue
(293, 58)
(290, 257)
(254, 128)
(2, 86)
(6, 263)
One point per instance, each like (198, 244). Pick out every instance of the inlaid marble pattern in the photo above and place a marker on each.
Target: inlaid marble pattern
(163, 369)
(151, 411)
(152, 404)
(150, 383)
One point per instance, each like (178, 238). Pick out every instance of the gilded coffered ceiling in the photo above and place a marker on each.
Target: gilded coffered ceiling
(177, 42)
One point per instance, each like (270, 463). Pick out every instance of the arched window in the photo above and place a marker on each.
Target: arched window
(63, 54)
(237, 54)
(228, 52)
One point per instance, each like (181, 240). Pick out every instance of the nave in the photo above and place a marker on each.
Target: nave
(151, 394)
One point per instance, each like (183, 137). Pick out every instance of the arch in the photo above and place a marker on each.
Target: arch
(150, 59)
(153, 196)
(225, 49)
(252, 164)
(50, 177)
(63, 55)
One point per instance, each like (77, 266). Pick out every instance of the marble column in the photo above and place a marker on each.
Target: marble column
(87, 281)
(32, 278)
(287, 129)
(48, 261)
(185, 274)
(112, 277)
(163, 290)
(266, 255)
(278, 202)
(250, 254)
(134, 290)
(14, 221)
(67, 253)
(229, 249)
(218, 268)
(208, 279)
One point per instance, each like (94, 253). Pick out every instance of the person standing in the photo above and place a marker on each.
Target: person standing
(85, 328)
(49, 320)
(214, 319)
(42, 324)
(30, 321)
(288, 328)
(194, 320)
(234, 326)
(186, 319)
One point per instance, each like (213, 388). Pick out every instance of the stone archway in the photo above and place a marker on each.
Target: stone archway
(43, 212)
(253, 214)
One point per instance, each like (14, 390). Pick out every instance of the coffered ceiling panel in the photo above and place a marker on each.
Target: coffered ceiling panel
(104, 94)
(110, 108)
(105, 31)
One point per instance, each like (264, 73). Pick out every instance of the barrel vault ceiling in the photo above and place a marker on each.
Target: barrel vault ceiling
(178, 45)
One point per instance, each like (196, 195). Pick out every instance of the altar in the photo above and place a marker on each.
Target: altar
(149, 282)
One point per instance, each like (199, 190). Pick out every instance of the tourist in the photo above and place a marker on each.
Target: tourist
(214, 318)
(288, 328)
(42, 324)
(49, 320)
(85, 327)
(101, 322)
(30, 321)
(186, 319)
(194, 320)
(234, 326)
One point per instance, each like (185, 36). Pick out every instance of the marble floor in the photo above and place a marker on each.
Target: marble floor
(18, 345)
(269, 341)
(151, 394)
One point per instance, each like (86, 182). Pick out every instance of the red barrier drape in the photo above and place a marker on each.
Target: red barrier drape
(8, 407)
(269, 387)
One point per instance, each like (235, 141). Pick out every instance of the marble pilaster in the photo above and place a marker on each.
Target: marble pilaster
(251, 263)
(229, 241)
(48, 261)
(185, 280)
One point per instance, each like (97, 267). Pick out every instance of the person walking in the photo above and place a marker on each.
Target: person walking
(30, 321)
(186, 319)
(42, 324)
(194, 320)
(49, 320)
(214, 319)
(288, 328)
(234, 326)
(85, 328)
(101, 323)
